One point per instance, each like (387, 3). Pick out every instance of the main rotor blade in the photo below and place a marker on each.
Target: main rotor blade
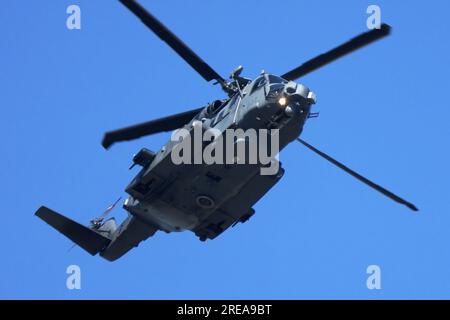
(371, 184)
(173, 41)
(338, 52)
(150, 127)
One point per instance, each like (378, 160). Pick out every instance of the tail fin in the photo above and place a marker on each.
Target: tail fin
(84, 237)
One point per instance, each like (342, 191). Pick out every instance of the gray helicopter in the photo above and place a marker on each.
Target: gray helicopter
(208, 198)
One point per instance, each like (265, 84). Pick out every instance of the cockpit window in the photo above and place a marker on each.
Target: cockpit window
(275, 79)
(275, 90)
(259, 83)
(225, 110)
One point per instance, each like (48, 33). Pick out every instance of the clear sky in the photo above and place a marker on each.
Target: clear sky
(384, 112)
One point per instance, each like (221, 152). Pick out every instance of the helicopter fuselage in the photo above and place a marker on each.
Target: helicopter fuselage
(209, 198)
(191, 184)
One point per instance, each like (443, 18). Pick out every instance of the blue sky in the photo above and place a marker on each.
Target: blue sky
(383, 111)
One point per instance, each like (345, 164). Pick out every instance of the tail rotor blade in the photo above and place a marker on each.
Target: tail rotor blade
(364, 180)
(99, 219)
(109, 209)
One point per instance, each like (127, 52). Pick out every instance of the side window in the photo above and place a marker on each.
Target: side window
(259, 83)
(225, 110)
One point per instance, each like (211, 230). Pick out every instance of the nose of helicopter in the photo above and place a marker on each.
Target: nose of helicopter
(298, 92)
(297, 99)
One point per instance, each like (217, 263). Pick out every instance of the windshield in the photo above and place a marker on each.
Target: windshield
(275, 79)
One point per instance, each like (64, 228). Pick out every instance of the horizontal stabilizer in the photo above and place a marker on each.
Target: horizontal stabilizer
(84, 237)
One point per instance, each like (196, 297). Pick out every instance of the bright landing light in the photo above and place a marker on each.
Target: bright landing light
(282, 101)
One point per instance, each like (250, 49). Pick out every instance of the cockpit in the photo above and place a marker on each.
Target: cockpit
(273, 81)
(276, 79)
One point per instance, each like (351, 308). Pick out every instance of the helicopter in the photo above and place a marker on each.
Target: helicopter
(207, 199)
